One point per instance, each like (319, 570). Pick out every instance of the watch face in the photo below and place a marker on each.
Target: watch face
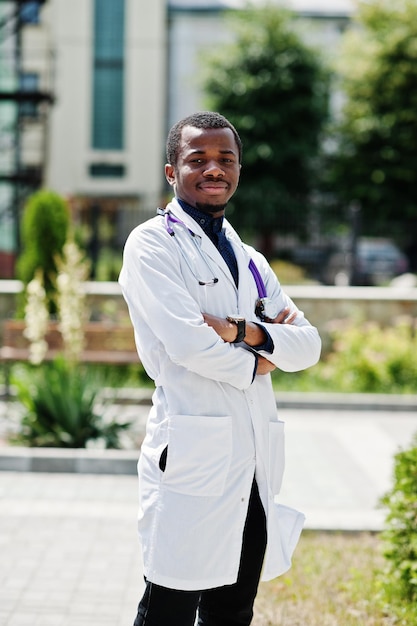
(235, 319)
(266, 309)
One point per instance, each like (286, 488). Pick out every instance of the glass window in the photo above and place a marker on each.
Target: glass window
(108, 75)
(106, 170)
(29, 12)
(29, 82)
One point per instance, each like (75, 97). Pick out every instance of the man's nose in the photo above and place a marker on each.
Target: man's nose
(213, 169)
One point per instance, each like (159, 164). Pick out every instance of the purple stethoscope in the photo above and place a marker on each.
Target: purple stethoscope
(189, 246)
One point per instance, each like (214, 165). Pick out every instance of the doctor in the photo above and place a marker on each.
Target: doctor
(211, 322)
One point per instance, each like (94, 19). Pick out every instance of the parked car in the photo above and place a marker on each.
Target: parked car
(312, 259)
(377, 262)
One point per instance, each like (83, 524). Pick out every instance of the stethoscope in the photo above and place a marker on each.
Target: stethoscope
(189, 245)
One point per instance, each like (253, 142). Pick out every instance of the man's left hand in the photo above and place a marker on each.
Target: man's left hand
(225, 329)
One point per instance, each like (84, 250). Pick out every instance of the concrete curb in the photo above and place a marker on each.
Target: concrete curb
(98, 461)
(299, 400)
(63, 460)
(347, 402)
(285, 399)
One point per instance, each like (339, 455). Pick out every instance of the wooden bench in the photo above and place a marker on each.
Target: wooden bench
(105, 343)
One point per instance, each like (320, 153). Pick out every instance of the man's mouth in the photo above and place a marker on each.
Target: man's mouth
(214, 187)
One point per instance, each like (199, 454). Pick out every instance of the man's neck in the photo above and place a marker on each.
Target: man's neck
(206, 209)
(209, 223)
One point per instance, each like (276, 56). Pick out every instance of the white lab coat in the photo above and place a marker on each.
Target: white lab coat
(220, 425)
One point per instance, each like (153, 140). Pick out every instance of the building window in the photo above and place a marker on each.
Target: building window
(108, 75)
(29, 12)
(106, 170)
(29, 86)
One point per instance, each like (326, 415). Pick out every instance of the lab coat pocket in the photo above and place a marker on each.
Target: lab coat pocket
(199, 454)
(276, 455)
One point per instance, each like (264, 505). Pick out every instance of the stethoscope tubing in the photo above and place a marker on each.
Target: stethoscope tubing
(171, 220)
(168, 217)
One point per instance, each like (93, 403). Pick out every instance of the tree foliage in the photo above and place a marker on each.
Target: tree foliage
(45, 225)
(376, 162)
(274, 89)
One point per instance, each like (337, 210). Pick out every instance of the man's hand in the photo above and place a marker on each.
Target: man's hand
(264, 366)
(225, 329)
(284, 317)
(255, 336)
(228, 331)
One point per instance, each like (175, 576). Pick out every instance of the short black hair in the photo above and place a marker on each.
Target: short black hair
(202, 119)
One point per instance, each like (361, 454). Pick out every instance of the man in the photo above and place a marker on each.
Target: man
(211, 322)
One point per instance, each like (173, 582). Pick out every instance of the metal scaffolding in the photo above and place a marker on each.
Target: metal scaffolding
(26, 94)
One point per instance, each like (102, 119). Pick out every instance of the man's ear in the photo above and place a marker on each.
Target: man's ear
(170, 174)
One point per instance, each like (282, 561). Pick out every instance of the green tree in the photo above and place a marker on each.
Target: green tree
(274, 89)
(45, 225)
(376, 161)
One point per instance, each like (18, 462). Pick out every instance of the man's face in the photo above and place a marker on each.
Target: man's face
(207, 171)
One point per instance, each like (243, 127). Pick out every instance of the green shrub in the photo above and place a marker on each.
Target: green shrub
(369, 358)
(60, 399)
(400, 535)
(108, 265)
(290, 274)
(45, 225)
(364, 357)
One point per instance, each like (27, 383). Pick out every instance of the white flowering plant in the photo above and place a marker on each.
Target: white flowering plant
(37, 318)
(73, 271)
(60, 397)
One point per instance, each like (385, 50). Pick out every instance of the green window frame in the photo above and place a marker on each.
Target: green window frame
(108, 75)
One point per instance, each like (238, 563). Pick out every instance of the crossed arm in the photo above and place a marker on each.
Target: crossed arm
(255, 335)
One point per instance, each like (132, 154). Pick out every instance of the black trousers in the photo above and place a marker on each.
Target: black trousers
(231, 605)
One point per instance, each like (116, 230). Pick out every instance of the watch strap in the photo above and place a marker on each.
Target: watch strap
(241, 327)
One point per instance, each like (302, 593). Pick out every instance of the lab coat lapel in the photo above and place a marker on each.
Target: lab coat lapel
(212, 252)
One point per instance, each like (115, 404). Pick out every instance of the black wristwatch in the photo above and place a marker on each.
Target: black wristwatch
(241, 327)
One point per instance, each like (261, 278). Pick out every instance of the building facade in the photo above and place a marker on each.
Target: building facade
(119, 74)
(107, 125)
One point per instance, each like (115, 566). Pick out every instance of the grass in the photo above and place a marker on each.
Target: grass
(333, 582)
